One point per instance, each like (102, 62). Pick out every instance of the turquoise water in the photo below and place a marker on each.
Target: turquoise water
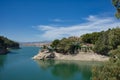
(18, 65)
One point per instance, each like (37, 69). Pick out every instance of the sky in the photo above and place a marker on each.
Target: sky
(46, 20)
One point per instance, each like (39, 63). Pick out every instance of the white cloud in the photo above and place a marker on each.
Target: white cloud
(93, 24)
(62, 20)
(92, 18)
(57, 20)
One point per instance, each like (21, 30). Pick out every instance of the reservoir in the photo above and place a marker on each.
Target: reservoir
(18, 65)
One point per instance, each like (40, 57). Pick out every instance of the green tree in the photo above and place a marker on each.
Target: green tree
(2, 44)
(55, 43)
(110, 70)
(101, 45)
(116, 4)
(114, 38)
(9, 43)
(86, 38)
(66, 45)
(90, 38)
(107, 41)
(74, 48)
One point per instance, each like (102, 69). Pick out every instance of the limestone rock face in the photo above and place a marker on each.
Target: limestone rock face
(44, 56)
(83, 56)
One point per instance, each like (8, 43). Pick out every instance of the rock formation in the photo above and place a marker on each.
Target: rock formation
(44, 55)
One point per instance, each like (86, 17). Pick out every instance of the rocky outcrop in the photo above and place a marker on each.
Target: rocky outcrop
(44, 55)
(82, 56)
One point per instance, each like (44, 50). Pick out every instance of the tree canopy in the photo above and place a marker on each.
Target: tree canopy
(103, 41)
(110, 70)
(5, 42)
(66, 45)
(116, 4)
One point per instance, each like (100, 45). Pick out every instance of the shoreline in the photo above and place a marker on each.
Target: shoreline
(82, 56)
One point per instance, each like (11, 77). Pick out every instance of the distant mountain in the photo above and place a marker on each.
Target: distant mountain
(38, 44)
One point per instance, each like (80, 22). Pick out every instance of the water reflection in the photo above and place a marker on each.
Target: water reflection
(67, 70)
(2, 61)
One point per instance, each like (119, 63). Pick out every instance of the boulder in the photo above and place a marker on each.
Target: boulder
(44, 55)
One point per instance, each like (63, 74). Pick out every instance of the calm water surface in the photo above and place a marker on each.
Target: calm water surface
(18, 65)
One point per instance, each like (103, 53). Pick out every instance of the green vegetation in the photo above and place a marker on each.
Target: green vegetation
(108, 43)
(116, 4)
(103, 41)
(2, 47)
(69, 45)
(110, 70)
(90, 38)
(7, 43)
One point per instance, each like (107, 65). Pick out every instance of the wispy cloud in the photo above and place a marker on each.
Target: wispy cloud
(93, 24)
(57, 20)
(62, 20)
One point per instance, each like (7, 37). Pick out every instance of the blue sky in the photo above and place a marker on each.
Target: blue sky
(39, 20)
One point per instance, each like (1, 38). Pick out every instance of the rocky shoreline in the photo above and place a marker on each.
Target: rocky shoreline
(83, 56)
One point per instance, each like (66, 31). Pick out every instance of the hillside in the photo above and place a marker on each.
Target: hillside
(6, 43)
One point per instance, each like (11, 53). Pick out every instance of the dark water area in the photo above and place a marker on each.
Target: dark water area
(18, 65)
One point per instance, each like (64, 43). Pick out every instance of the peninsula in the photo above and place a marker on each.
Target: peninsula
(95, 46)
